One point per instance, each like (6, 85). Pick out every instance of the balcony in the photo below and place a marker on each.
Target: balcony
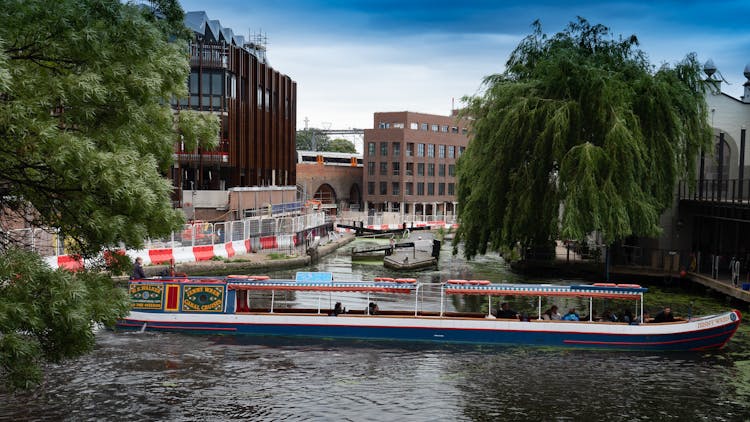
(732, 191)
(209, 56)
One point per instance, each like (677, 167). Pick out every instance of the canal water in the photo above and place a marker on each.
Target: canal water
(163, 376)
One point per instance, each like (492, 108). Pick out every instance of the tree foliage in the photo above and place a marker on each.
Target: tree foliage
(48, 315)
(86, 127)
(312, 140)
(86, 133)
(579, 134)
(341, 145)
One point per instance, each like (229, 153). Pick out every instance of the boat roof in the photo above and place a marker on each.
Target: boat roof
(322, 286)
(603, 290)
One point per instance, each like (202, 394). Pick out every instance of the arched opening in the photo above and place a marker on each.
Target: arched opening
(325, 194)
(355, 198)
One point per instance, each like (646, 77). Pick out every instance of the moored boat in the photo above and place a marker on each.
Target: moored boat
(223, 305)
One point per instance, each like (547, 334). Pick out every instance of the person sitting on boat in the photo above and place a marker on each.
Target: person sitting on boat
(572, 315)
(138, 272)
(552, 314)
(627, 316)
(338, 309)
(506, 312)
(373, 308)
(665, 315)
(609, 316)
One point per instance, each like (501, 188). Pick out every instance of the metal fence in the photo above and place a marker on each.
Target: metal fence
(291, 233)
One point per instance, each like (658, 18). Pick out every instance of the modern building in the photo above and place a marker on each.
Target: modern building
(410, 163)
(231, 77)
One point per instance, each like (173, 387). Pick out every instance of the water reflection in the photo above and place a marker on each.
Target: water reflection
(163, 376)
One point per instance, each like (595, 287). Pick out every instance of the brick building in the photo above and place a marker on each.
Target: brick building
(410, 162)
(230, 76)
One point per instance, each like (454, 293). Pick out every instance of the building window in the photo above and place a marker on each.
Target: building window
(420, 188)
(396, 149)
(441, 151)
(464, 131)
(414, 126)
(396, 166)
(395, 189)
(425, 126)
(434, 128)
(431, 150)
(384, 169)
(444, 128)
(409, 188)
(441, 170)
(454, 129)
(430, 189)
(451, 169)
(371, 149)
(384, 188)
(420, 150)
(431, 169)
(371, 188)
(451, 151)
(384, 149)
(409, 169)
(398, 125)
(410, 149)
(441, 189)
(461, 150)
(371, 168)
(382, 125)
(420, 169)
(451, 189)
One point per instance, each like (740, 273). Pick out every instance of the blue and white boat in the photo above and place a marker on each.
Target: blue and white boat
(212, 305)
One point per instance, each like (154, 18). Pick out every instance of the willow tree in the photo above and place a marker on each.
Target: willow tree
(86, 136)
(579, 134)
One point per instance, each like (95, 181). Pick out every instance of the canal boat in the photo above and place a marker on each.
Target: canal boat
(224, 305)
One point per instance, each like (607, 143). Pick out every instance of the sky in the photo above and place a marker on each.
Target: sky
(353, 58)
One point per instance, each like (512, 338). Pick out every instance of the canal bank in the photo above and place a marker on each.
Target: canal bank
(252, 262)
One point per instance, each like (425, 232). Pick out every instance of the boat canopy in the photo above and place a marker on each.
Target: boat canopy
(600, 290)
(317, 286)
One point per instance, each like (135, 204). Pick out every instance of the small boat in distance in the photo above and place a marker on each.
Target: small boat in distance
(223, 305)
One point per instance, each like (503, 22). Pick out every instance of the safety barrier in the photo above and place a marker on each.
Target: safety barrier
(203, 253)
(160, 256)
(180, 254)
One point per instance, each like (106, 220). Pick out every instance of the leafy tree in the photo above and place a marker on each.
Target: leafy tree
(48, 315)
(341, 145)
(85, 119)
(86, 133)
(580, 133)
(312, 140)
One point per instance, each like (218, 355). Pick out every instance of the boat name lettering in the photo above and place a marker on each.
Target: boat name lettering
(203, 299)
(711, 323)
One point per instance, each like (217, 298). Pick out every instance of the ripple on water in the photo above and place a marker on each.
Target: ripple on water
(161, 376)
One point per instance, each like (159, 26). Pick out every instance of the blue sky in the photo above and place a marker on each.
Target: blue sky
(353, 58)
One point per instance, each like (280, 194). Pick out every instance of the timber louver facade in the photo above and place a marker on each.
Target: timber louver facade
(257, 106)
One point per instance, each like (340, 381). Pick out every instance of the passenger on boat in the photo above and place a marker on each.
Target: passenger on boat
(373, 308)
(506, 312)
(665, 315)
(552, 314)
(627, 316)
(571, 315)
(138, 273)
(338, 309)
(609, 316)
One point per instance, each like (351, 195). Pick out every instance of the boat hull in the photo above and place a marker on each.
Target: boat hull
(705, 333)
